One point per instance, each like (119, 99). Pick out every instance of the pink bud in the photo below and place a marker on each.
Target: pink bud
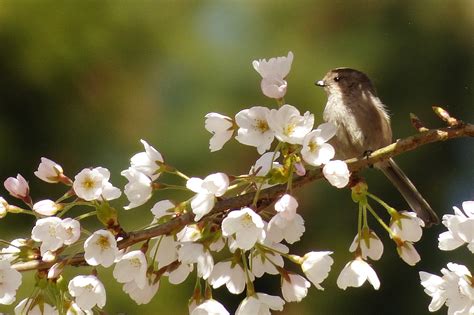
(17, 187)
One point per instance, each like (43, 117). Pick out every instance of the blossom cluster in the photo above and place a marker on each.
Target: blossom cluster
(455, 288)
(251, 240)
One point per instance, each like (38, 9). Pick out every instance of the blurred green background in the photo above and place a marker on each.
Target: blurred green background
(82, 82)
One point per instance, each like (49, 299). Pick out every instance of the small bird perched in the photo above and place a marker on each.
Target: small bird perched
(363, 125)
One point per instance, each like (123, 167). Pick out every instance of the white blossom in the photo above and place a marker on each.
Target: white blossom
(25, 307)
(286, 206)
(162, 208)
(48, 232)
(460, 228)
(17, 187)
(407, 226)
(11, 252)
(207, 189)
(230, 274)
(337, 173)
(254, 129)
(179, 274)
(3, 207)
(74, 309)
(294, 287)
(246, 226)
(138, 189)
(222, 129)
(265, 163)
(100, 249)
(131, 267)
(142, 295)
(260, 304)
(93, 184)
(46, 207)
(355, 273)
(191, 253)
(315, 150)
(370, 245)
(69, 231)
(280, 228)
(289, 126)
(88, 292)
(209, 307)
(265, 261)
(165, 250)
(148, 162)
(49, 171)
(316, 267)
(454, 289)
(408, 253)
(10, 281)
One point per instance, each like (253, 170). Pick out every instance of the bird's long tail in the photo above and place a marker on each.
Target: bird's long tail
(414, 199)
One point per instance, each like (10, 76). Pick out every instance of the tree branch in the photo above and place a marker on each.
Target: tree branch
(455, 130)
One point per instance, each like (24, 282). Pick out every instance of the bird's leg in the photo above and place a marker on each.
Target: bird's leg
(367, 154)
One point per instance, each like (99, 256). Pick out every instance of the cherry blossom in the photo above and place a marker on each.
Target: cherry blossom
(230, 274)
(254, 129)
(93, 184)
(337, 173)
(209, 307)
(222, 129)
(207, 189)
(294, 287)
(407, 226)
(17, 187)
(260, 304)
(273, 73)
(88, 292)
(315, 150)
(370, 245)
(49, 171)
(191, 253)
(131, 267)
(316, 267)
(10, 281)
(142, 295)
(147, 162)
(460, 228)
(355, 273)
(138, 189)
(100, 249)
(46, 207)
(26, 307)
(246, 226)
(289, 126)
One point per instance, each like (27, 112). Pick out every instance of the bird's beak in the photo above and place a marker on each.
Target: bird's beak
(320, 83)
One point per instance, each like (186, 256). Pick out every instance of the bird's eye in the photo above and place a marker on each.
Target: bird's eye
(337, 79)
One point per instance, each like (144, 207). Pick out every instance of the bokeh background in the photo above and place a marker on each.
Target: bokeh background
(83, 82)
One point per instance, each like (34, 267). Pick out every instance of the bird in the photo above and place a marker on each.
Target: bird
(363, 126)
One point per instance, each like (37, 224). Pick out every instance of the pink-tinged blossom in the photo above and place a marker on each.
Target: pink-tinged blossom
(46, 207)
(17, 187)
(49, 171)
(274, 72)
